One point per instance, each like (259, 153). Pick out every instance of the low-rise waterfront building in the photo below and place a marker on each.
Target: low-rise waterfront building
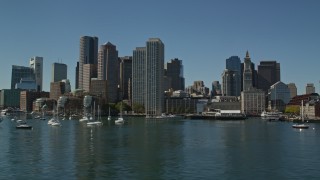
(27, 98)
(225, 103)
(253, 101)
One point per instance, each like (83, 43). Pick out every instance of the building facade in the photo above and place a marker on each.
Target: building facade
(88, 55)
(293, 89)
(278, 96)
(108, 69)
(310, 88)
(19, 72)
(125, 76)
(174, 71)
(154, 77)
(253, 101)
(138, 76)
(36, 63)
(229, 83)
(10, 98)
(268, 74)
(247, 73)
(234, 64)
(59, 72)
(27, 99)
(57, 89)
(27, 84)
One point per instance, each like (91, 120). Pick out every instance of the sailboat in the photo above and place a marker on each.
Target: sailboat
(109, 116)
(93, 121)
(120, 119)
(54, 121)
(301, 125)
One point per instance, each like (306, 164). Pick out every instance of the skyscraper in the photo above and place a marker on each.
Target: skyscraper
(125, 75)
(138, 76)
(19, 72)
(108, 69)
(36, 63)
(234, 64)
(268, 74)
(59, 72)
(293, 90)
(154, 77)
(88, 55)
(174, 71)
(310, 88)
(229, 87)
(247, 73)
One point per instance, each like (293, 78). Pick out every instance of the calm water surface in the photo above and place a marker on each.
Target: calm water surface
(162, 149)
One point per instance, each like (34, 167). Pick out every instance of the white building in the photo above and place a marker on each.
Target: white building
(36, 63)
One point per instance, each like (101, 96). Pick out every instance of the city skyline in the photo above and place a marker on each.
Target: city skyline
(203, 35)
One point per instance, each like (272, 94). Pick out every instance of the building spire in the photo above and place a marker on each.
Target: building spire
(247, 54)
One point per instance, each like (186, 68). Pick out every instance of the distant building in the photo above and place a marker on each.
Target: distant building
(27, 84)
(216, 88)
(225, 103)
(77, 77)
(99, 88)
(180, 105)
(253, 101)
(234, 64)
(27, 98)
(59, 72)
(310, 88)
(10, 98)
(268, 74)
(198, 89)
(125, 75)
(108, 69)
(278, 96)
(19, 72)
(154, 95)
(88, 55)
(138, 75)
(36, 63)
(293, 89)
(89, 72)
(174, 70)
(57, 89)
(229, 83)
(247, 73)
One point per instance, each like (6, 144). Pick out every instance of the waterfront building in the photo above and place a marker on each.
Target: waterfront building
(10, 98)
(234, 64)
(154, 98)
(180, 105)
(229, 83)
(27, 99)
(27, 84)
(293, 89)
(36, 63)
(310, 88)
(138, 76)
(253, 101)
(174, 70)
(58, 72)
(225, 103)
(268, 74)
(19, 72)
(125, 76)
(108, 69)
(278, 96)
(88, 55)
(247, 73)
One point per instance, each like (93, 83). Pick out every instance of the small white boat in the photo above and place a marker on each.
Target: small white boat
(109, 116)
(21, 124)
(120, 119)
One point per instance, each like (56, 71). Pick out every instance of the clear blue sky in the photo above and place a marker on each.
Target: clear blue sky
(202, 33)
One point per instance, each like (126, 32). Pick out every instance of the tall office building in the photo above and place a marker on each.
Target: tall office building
(19, 72)
(108, 69)
(77, 77)
(36, 63)
(247, 73)
(174, 71)
(88, 55)
(58, 72)
(310, 88)
(216, 88)
(268, 74)
(229, 80)
(293, 90)
(89, 72)
(154, 77)
(234, 64)
(138, 76)
(125, 75)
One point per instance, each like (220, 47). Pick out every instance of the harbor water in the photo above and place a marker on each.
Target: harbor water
(160, 149)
